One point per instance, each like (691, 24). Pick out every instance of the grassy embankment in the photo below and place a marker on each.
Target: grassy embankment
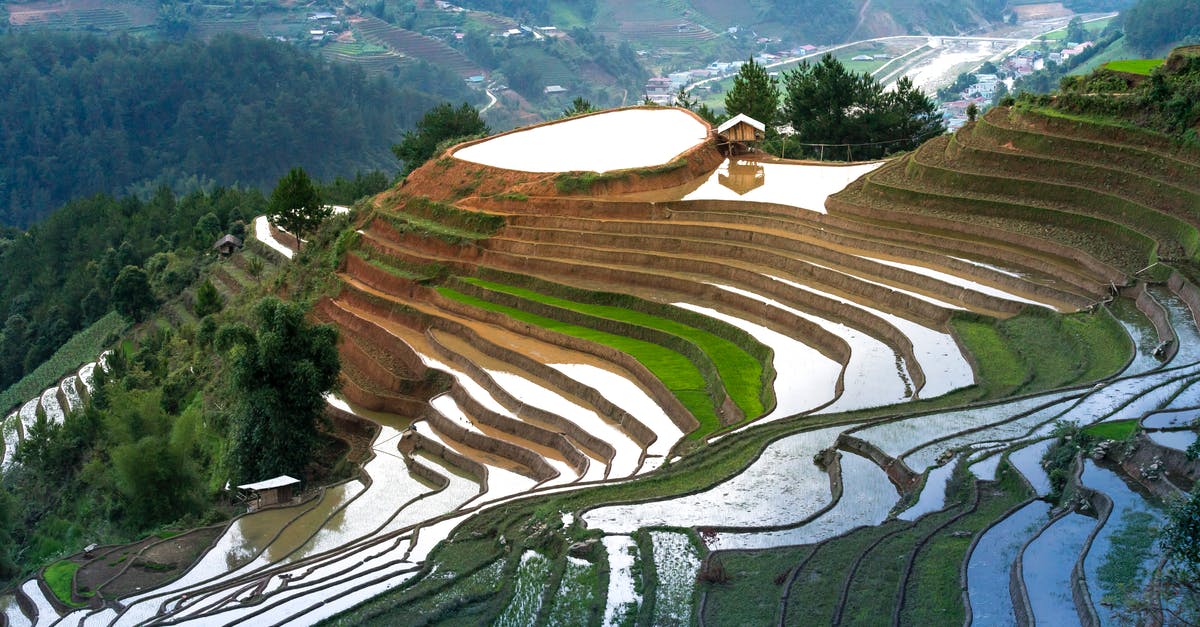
(82, 348)
(59, 576)
(1038, 350)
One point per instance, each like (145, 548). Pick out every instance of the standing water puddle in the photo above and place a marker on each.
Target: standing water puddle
(623, 598)
(799, 185)
(1114, 574)
(867, 498)
(556, 147)
(1046, 567)
(782, 486)
(990, 563)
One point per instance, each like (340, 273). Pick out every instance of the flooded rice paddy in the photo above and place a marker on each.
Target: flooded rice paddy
(555, 147)
(802, 186)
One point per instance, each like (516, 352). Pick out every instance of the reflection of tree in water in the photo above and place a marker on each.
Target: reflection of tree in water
(742, 176)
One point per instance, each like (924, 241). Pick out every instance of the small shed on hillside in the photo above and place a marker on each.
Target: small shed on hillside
(228, 245)
(281, 489)
(741, 130)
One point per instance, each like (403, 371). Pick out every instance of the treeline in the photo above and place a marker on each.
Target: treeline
(66, 271)
(1169, 102)
(81, 114)
(1152, 24)
(59, 276)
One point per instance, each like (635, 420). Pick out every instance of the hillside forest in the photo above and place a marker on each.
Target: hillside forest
(121, 115)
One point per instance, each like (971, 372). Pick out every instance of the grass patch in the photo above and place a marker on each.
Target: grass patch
(83, 347)
(59, 577)
(1039, 350)
(674, 370)
(740, 371)
(1116, 430)
(1142, 67)
(578, 592)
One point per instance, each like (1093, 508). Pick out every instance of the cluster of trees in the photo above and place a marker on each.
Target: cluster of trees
(438, 127)
(157, 442)
(101, 252)
(81, 115)
(1152, 24)
(1168, 103)
(831, 107)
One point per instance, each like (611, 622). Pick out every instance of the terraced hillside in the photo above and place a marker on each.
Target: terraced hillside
(775, 380)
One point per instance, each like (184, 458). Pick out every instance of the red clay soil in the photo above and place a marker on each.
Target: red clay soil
(448, 179)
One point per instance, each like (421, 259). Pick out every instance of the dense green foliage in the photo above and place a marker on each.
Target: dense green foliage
(1180, 540)
(61, 274)
(1169, 102)
(295, 205)
(579, 106)
(1152, 24)
(827, 104)
(440, 124)
(83, 347)
(281, 371)
(755, 94)
(81, 115)
(143, 453)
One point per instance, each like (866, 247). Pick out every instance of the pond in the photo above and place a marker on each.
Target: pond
(804, 186)
(614, 140)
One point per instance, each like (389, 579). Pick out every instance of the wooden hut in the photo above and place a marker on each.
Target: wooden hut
(739, 133)
(228, 245)
(270, 492)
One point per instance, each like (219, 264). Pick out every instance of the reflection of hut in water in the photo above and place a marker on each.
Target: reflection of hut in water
(740, 133)
(742, 176)
(271, 492)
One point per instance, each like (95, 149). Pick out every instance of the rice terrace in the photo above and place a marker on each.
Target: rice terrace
(609, 371)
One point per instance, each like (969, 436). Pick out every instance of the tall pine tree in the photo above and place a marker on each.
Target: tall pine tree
(755, 94)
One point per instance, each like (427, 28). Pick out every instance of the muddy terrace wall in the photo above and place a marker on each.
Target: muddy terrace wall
(665, 399)
(1153, 310)
(600, 448)
(802, 239)
(1003, 126)
(759, 248)
(1080, 268)
(412, 365)
(801, 299)
(530, 464)
(390, 253)
(555, 213)
(378, 376)
(913, 202)
(377, 400)
(423, 242)
(523, 430)
(1035, 121)
(412, 441)
(638, 431)
(1173, 235)
(1135, 188)
(901, 476)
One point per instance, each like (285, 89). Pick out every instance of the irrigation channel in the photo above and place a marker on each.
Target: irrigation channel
(496, 386)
